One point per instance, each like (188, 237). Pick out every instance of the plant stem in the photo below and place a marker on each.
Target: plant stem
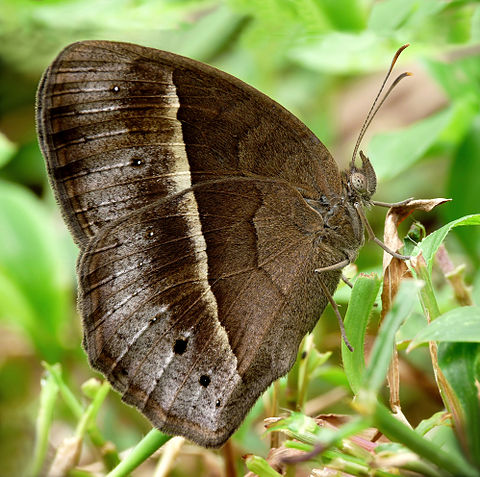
(303, 377)
(90, 413)
(275, 436)
(141, 452)
(106, 449)
(399, 432)
(48, 397)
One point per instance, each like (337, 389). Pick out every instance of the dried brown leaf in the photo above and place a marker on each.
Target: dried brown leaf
(66, 458)
(394, 270)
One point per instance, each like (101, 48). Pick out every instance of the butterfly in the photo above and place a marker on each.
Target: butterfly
(213, 227)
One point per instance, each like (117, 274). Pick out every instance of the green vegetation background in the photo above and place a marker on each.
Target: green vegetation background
(323, 60)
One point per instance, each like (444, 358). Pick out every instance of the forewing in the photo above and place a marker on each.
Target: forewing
(194, 304)
(122, 125)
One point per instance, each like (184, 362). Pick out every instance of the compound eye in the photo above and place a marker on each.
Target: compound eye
(359, 182)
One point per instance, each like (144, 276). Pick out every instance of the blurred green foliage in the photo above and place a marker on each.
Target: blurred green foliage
(309, 55)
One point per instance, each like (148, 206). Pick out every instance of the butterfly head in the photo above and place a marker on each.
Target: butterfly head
(362, 182)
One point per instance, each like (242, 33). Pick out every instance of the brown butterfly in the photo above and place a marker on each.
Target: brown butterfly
(213, 226)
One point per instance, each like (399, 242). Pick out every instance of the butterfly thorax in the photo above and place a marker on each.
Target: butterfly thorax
(342, 227)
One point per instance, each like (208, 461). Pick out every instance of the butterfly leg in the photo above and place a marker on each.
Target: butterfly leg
(371, 235)
(335, 266)
(337, 314)
(346, 281)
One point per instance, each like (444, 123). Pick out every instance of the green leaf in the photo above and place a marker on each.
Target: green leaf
(31, 257)
(305, 429)
(464, 113)
(429, 245)
(475, 32)
(333, 375)
(15, 306)
(459, 364)
(394, 429)
(82, 19)
(463, 188)
(26, 167)
(394, 152)
(435, 420)
(444, 437)
(414, 323)
(343, 53)
(461, 324)
(334, 11)
(203, 39)
(428, 299)
(309, 367)
(391, 15)
(381, 355)
(7, 149)
(259, 466)
(361, 303)
(459, 79)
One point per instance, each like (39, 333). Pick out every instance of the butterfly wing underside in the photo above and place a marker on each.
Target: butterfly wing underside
(181, 185)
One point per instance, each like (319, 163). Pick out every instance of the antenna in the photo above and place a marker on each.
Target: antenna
(373, 110)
